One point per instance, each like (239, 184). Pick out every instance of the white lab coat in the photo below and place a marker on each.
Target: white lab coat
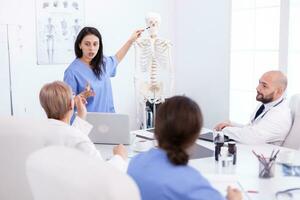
(271, 126)
(76, 136)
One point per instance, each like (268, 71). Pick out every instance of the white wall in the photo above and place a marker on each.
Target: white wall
(4, 73)
(202, 55)
(199, 30)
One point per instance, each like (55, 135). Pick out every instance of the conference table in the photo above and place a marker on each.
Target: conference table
(243, 175)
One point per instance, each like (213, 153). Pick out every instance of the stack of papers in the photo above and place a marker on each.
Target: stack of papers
(220, 182)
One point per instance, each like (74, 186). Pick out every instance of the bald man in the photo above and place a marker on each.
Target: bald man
(271, 121)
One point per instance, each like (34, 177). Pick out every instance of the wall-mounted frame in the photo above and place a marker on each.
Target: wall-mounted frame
(57, 25)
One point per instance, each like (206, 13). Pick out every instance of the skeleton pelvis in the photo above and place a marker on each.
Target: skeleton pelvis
(151, 90)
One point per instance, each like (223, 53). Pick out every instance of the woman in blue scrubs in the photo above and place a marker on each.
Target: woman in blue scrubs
(92, 68)
(162, 173)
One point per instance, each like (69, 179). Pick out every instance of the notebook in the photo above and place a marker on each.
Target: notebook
(198, 151)
(209, 137)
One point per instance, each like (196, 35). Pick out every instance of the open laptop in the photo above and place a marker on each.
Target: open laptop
(109, 128)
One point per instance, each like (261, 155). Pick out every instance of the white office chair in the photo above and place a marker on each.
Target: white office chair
(293, 138)
(63, 173)
(19, 137)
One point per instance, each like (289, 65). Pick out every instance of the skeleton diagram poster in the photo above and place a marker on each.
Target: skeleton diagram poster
(57, 25)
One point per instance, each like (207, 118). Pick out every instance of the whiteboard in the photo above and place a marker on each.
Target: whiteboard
(4, 73)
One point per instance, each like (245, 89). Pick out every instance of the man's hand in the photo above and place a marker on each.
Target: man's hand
(80, 102)
(222, 125)
(233, 194)
(121, 151)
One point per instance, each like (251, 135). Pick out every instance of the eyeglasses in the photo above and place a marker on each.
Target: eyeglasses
(288, 194)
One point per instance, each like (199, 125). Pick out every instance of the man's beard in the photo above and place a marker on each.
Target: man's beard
(265, 99)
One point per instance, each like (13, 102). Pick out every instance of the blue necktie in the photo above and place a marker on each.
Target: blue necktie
(259, 111)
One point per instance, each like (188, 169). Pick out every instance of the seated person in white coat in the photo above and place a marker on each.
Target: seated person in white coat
(162, 173)
(271, 120)
(58, 102)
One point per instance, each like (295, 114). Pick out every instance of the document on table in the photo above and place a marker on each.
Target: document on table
(221, 181)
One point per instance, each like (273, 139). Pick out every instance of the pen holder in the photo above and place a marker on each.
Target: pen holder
(266, 170)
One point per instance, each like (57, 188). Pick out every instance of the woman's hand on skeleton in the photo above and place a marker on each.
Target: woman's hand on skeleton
(136, 34)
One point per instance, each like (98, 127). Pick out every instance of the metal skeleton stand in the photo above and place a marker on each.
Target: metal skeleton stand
(153, 103)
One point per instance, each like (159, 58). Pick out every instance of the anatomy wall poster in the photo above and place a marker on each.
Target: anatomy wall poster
(57, 25)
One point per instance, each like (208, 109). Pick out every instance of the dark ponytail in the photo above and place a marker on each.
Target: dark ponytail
(177, 156)
(177, 125)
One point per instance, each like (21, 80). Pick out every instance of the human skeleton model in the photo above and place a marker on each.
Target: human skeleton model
(50, 32)
(76, 28)
(153, 70)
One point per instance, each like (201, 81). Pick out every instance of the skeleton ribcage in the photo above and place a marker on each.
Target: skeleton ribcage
(152, 72)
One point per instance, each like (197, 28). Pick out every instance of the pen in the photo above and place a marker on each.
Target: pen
(274, 157)
(144, 137)
(255, 154)
(252, 191)
(270, 159)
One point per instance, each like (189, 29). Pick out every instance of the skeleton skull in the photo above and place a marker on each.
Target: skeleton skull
(153, 21)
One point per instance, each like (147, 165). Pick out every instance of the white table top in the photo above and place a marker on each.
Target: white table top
(245, 172)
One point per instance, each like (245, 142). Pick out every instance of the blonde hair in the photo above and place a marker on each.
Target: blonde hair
(55, 98)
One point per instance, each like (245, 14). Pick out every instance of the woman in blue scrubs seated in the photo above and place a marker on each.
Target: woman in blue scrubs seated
(162, 173)
(91, 68)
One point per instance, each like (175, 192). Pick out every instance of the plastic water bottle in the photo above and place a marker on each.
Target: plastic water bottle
(225, 163)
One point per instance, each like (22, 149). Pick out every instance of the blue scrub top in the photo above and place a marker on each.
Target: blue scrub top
(78, 74)
(157, 178)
